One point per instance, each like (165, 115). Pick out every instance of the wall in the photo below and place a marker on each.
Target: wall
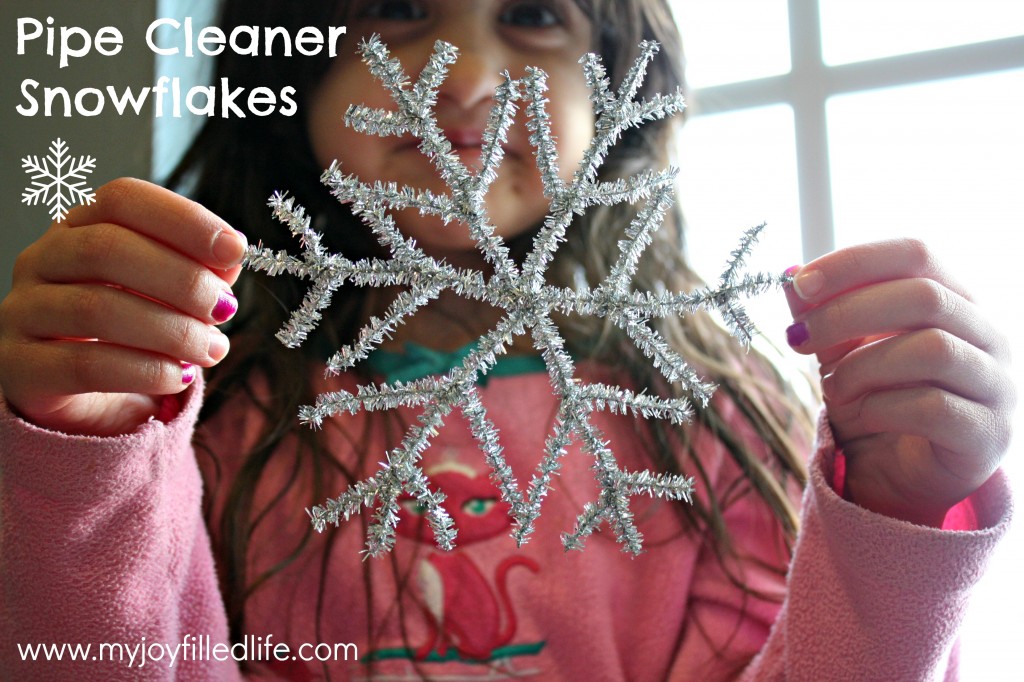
(120, 145)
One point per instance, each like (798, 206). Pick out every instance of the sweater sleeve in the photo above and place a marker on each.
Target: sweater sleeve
(103, 545)
(874, 598)
(867, 597)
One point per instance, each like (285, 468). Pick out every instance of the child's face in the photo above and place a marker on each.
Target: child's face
(492, 36)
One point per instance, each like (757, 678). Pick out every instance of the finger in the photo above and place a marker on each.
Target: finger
(948, 421)
(95, 311)
(169, 218)
(830, 357)
(889, 308)
(112, 254)
(914, 490)
(230, 275)
(795, 334)
(857, 266)
(78, 367)
(929, 357)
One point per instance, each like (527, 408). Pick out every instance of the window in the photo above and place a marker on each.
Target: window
(843, 122)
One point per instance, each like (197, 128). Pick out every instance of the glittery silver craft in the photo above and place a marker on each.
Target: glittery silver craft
(522, 293)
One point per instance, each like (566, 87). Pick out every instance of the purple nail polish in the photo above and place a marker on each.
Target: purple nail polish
(797, 335)
(227, 306)
(188, 373)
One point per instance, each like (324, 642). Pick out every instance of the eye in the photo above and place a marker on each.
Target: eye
(414, 507)
(530, 15)
(478, 506)
(393, 10)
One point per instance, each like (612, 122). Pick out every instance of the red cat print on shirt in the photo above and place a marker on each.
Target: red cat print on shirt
(467, 612)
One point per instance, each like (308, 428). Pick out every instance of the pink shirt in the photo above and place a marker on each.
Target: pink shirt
(103, 541)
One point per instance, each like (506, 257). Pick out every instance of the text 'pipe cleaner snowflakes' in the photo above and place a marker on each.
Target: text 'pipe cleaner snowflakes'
(527, 301)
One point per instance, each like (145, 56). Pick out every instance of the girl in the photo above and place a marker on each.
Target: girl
(158, 519)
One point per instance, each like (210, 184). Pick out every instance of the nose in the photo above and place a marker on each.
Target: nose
(473, 77)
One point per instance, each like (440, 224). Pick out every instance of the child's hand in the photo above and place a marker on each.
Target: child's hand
(915, 378)
(114, 307)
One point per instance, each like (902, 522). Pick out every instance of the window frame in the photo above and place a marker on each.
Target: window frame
(811, 82)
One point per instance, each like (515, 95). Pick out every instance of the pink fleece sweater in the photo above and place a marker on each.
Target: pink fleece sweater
(103, 542)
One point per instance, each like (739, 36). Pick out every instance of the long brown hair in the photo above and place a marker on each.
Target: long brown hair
(235, 164)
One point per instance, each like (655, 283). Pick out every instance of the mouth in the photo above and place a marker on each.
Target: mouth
(465, 137)
(466, 143)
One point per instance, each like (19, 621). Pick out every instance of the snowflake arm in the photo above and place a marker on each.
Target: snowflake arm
(639, 233)
(496, 132)
(540, 125)
(377, 328)
(487, 435)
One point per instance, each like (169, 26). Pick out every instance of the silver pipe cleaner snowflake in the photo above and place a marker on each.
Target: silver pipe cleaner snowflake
(522, 293)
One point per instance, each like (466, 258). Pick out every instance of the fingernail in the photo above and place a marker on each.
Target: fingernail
(219, 345)
(188, 373)
(808, 283)
(229, 247)
(788, 273)
(227, 306)
(796, 334)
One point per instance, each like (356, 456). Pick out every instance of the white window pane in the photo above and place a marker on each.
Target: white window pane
(739, 170)
(943, 162)
(171, 135)
(733, 40)
(869, 29)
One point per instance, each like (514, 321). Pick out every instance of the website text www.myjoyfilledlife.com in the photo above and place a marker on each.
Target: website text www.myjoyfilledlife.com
(191, 648)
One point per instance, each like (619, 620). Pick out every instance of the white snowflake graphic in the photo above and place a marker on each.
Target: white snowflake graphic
(52, 180)
(520, 290)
